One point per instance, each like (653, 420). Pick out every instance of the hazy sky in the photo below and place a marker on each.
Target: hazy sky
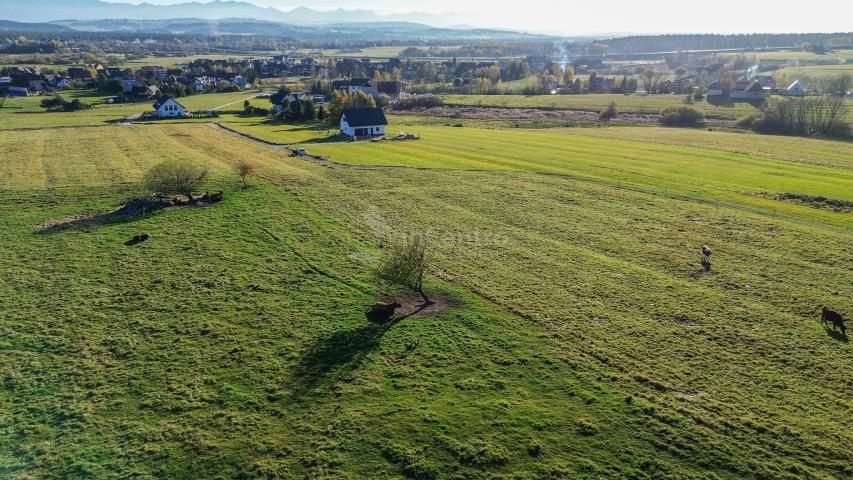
(579, 16)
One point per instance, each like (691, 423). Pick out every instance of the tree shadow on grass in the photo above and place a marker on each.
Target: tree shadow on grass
(135, 209)
(340, 354)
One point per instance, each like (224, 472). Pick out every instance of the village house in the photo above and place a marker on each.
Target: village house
(18, 92)
(240, 81)
(168, 107)
(352, 85)
(767, 82)
(752, 92)
(363, 122)
(29, 78)
(684, 84)
(795, 89)
(59, 82)
(81, 74)
(715, 89)
(127, 85)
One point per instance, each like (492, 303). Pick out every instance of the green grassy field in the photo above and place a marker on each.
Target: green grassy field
(21, 113)
(649, 104)
(817, 71)
(832, 56)
(584, 341)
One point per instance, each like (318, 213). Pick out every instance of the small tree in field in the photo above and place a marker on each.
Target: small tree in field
(406, 264)
(609, 112)
(245, 169)
(175, 177)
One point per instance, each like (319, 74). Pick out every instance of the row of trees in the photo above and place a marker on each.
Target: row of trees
(806, 116)
(341, 101)
(665, 43)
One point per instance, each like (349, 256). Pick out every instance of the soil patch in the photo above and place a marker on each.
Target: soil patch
(413, 306)
(819, 202)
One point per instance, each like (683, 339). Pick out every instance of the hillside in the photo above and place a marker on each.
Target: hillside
(581, 337)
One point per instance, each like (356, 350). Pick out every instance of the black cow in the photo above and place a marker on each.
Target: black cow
(835, 318)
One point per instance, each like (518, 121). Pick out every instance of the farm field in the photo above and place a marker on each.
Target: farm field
(649, 104)
(21, 113)
(655, 162)
(368, 52)
(583, 340)
(817, 71)
(832, 56)
(171, 61)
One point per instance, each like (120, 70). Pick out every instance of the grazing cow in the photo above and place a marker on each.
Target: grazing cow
(837, 320)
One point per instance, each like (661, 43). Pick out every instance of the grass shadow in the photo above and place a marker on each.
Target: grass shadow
(336, 356)
(135, 209)
(342, 353)
(836, 335)
(335, 138)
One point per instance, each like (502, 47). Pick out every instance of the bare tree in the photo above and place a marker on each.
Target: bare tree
(406, 264)
(176, 177)
(245, 169)
(650, 78)
(839, 85)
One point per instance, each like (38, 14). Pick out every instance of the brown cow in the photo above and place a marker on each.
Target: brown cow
(837, 320)
(386, 309)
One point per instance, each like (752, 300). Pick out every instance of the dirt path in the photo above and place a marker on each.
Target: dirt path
(283, 147)
(235, 102)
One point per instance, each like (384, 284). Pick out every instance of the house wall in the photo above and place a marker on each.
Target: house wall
(171, 110)
(739, 95)
(349, 131)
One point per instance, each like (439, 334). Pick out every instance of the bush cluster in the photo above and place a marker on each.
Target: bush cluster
(681, 116)
(412, 103)
(806, 116)
(58, 104)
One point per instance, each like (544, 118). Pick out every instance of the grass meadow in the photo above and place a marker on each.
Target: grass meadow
(584, 339)
(22, 113)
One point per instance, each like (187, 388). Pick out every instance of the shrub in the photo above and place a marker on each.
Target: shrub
(58, 104)
(406, 264)
(412, 103)
(609, 112)
(681, 116)
(178, 177)
(245, 169)
(747, 121)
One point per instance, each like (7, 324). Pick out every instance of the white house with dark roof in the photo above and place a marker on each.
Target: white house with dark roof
(168, 107)
(363, 122)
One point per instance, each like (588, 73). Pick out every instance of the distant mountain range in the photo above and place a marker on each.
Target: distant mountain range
(352, 31)
(53, 10)
(9, 26)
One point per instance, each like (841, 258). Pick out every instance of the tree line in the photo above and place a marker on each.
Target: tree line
(672, 43)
